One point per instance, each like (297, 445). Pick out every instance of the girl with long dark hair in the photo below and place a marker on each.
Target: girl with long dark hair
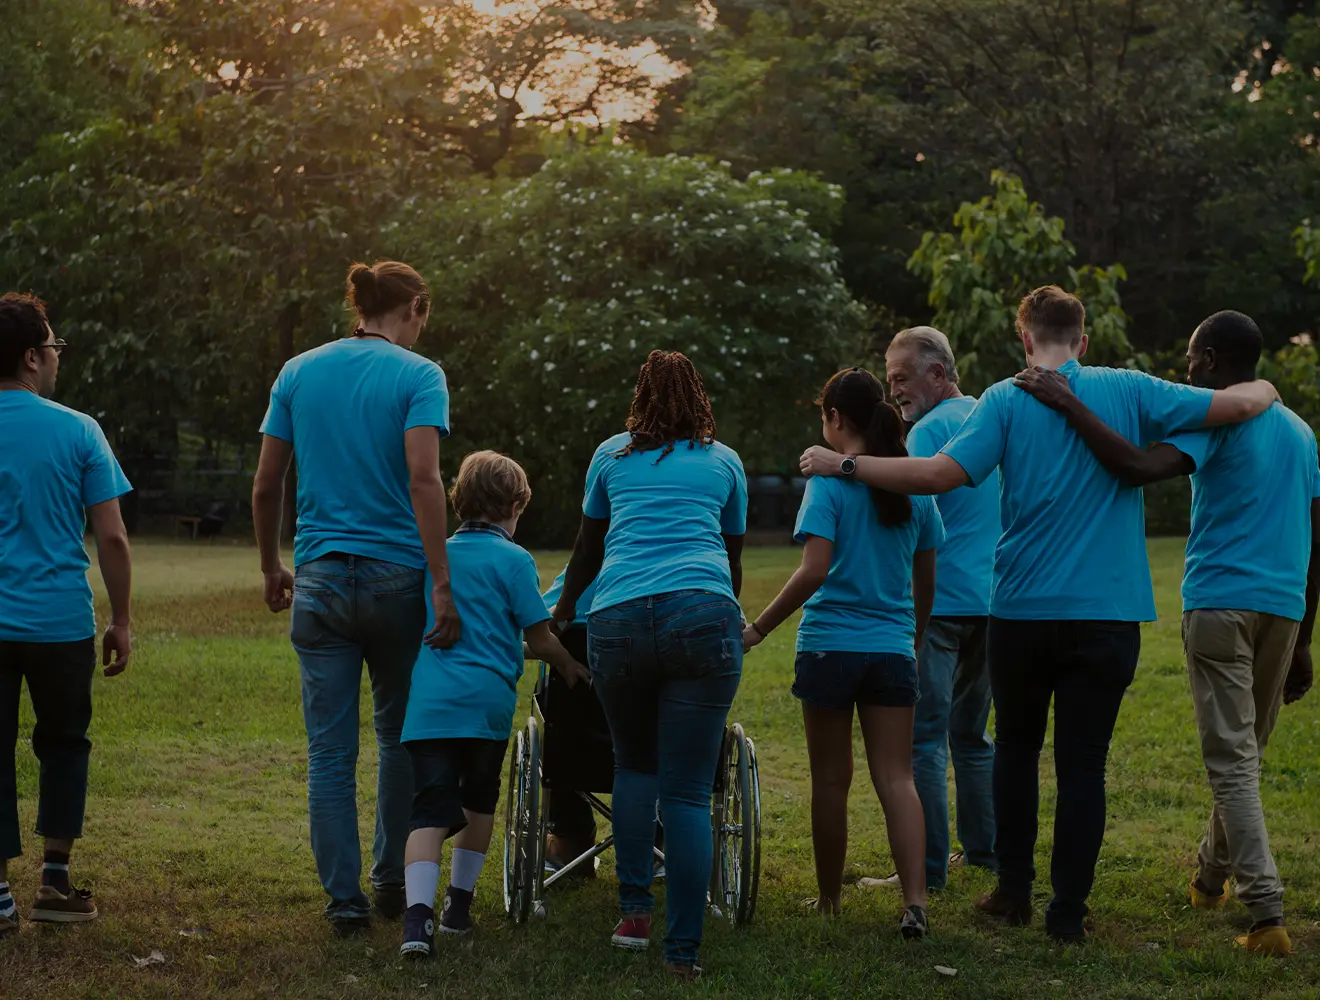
(865, 585)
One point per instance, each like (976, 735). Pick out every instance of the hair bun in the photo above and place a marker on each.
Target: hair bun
(362, 290)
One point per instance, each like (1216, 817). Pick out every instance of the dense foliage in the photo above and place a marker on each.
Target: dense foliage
(186, 181)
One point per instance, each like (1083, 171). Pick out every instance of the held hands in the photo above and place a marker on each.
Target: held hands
(818, 461)
(1045, 385)
(751, 638)
(1300, 676)
(447, 625)
(116, 648)
(279, 589)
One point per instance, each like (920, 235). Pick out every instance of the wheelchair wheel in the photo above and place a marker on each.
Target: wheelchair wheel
(736, 822)
(522, 827)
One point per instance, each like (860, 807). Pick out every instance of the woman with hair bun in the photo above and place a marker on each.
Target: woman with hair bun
(363, 418)
(866, 585)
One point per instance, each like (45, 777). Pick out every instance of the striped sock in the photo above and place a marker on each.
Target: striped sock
(6, 901)
(55, 871)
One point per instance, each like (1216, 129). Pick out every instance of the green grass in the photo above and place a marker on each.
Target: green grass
(197, 823)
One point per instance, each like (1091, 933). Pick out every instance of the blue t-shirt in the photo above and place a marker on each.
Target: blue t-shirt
(54, 464)
(1074, 542)
(345, 407)
(970, 515)
(667, 516)
(865, 604)
(1250, 542)
(551, 597)
(471, 689)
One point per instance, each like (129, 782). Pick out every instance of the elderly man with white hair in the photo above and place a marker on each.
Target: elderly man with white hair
(954, 683)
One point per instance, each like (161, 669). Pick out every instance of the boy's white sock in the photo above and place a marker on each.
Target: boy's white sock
(466, 869)
(6, 901)
(421, 879)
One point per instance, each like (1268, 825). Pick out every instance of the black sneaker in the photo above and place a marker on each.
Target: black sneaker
(913, 925)
(457, 915)
(418, 931)
(389, 901)
(349, 923)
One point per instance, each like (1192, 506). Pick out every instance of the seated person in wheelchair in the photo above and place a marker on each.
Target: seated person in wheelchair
(460, 707)
(572, 822)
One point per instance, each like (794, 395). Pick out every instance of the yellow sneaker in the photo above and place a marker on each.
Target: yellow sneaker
(1266, 941)
(1202, 900)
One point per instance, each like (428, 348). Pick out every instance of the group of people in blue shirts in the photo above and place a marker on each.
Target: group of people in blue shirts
(957, 554)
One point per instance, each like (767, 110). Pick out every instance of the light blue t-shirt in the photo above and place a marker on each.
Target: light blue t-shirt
(667, 516)
(970, 515)
(345, 407)
(865, 603)
(551, 597)
(54, 464)
(1250, 542)
(471, 689)
(1074, 542)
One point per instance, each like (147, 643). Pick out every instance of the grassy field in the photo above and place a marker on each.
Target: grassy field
(197, 846)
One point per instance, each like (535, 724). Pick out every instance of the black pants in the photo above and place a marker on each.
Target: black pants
(59, 679)
(1085, 666)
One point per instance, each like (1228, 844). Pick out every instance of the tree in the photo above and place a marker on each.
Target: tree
(549, 294)
(1006, 246)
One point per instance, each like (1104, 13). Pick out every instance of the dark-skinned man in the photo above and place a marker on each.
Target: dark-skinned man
(1249, 596)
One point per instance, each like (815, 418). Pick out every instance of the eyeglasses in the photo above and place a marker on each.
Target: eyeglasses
(55, 345)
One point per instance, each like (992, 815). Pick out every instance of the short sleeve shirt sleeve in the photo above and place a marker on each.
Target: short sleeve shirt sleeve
(1199, 446)
(733, 518)
(1315, 472)
(428, 406)
(819, 513)
(596, 498)
(979, 444)
(921, 443)
(102, 477)
(525, 599)
(1166, 408)
(931, 535)
(279, 418)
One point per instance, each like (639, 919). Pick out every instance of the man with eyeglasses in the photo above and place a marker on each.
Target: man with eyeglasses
(57, 473)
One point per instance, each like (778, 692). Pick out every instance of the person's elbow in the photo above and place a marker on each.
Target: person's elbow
(425, 482)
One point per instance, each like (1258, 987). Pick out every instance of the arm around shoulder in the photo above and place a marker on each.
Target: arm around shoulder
(1239, 403)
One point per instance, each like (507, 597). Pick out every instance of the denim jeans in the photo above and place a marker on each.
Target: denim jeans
(59, 679)
(346, 610)
(952, 715)
(1085, 666)
(666, 669)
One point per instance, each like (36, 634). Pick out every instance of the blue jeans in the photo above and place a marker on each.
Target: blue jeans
(952, 715)
(346, 610)
(666, 669)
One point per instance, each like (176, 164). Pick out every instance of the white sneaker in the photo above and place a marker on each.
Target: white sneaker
(890, 882)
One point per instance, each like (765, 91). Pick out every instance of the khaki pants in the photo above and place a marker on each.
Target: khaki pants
(1237, 662)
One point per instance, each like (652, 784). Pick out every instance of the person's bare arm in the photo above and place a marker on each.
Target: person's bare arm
(808, 578)
(914, 476)
(267, 511)
(583, 566)
(542, 643)
(1239, 403)
(733, 544)
(421, 446)
(1121, 458)
(116, 562)
(923, 590)
(1301, 674)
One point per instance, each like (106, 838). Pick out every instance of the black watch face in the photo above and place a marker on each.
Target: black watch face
(849, 466)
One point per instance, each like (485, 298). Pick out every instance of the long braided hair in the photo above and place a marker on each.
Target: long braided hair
(859, 398)
(670, 405)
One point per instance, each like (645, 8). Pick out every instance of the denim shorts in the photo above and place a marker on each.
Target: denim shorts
(841, 680)
(450, 775)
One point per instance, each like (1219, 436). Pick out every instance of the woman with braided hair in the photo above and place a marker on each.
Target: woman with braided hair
(661, 536)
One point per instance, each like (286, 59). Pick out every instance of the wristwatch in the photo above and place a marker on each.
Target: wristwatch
(848, 466)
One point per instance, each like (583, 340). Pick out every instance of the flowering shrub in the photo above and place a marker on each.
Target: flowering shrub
(549, 293)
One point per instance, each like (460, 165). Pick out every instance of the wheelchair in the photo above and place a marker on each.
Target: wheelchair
(565, 749)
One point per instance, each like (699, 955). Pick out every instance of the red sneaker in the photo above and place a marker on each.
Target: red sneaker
(633, 932)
